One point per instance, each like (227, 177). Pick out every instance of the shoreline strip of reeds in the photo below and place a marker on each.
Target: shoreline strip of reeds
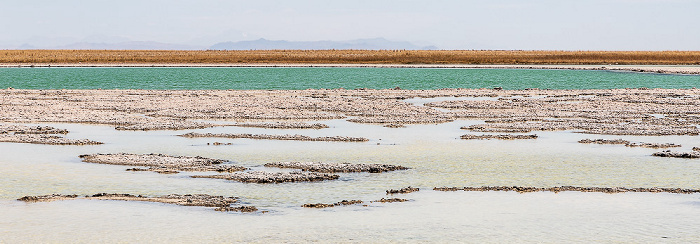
(437, 57)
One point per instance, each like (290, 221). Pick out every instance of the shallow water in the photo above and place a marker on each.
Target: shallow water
(330, 78)
(435, 153)
(429, 217)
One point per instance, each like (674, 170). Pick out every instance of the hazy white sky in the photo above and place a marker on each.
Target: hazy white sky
(447, 24)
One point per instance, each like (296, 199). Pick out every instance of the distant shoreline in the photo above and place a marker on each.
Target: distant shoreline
(661, 69)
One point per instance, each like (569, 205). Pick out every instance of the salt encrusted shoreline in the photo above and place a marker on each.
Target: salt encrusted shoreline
(284, 125)
(672, 154)
(220, 203)
(336, 167)
(628, 143)
(647, 112)
(499, 137)
(286, 137)
(45, 139)
(39, 135)
(390, 200)
(330, 205)
(404, 190)
(272, 177)
(24, 129)
(161, 163)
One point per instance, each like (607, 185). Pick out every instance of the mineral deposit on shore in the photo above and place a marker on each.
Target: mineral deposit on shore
(24, 129)
(162, 163)
(284, 125)
(667, 153)
(404, 190)
(336, 167)
(286, 137)
(499, 137)
(330, 205)
(45, 139)
(640, 111)
(221, 203)
(272, 177)
(389, 200)
(39, 135)
(525, 189)
(47, 198)
(629, 144)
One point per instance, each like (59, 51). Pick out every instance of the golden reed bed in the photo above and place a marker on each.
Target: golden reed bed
(349, 57)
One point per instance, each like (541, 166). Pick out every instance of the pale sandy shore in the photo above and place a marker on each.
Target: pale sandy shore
(664, 69)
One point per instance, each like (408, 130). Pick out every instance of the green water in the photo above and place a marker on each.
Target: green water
(349, 78)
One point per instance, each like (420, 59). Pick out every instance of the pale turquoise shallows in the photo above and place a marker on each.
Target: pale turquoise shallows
(348, 78)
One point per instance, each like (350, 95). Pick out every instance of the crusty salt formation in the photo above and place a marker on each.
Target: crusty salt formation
(628, 143)
(47, 198)
(646, 112)
(24, 129)
(39, 135)
(286, 137)
(330, 205)
(667, 153)
(336, 167)
(525, 189)
(499, 137)
(284, 125)
(45, 139)
(272, 177)
(390, 200)
(404, 190)
(220, 203)
(162, 163)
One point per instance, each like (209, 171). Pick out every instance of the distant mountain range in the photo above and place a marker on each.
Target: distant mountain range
(367, 44)
(128, 45)
(260, 44)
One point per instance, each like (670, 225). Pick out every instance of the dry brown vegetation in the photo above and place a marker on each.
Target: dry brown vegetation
(348, 57)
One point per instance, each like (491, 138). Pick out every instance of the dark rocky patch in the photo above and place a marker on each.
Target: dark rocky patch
(221, 203)
(272, 177)
(336, 167)
(668, 153)
(162, 163)
(499, 137)
(390, 200)
(286, 137)
(326, 205)
(402, 190)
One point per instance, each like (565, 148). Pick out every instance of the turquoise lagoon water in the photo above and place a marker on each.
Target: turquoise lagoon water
(348, 78)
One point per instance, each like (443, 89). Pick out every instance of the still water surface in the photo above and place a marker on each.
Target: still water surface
(330, 78)
(434, 152)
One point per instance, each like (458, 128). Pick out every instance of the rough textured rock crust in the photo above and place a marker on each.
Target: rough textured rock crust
(272, 177)
(162, 163)
(336, 167)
